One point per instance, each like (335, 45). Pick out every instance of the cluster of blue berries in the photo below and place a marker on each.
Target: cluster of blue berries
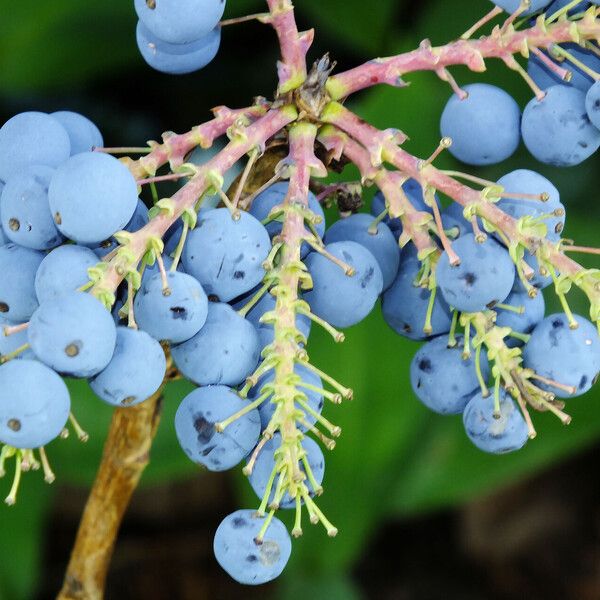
(560, 126)
(178, 36)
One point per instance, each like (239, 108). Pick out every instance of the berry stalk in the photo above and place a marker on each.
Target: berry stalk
(502, 43)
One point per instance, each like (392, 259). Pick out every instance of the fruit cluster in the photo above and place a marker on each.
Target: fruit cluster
(98, 286)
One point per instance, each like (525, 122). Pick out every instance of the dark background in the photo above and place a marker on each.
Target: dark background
(422, 514)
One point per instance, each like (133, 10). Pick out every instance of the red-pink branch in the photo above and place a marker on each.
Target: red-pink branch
(428, 175)
(471, 53)
(175, 147)
(253, 136)
(294, 45)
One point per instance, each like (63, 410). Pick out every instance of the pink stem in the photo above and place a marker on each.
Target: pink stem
(471, 53)
(294, 45)
(175, 147)
(254, 135)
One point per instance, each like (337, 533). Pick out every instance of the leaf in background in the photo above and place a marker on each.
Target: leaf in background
(21, 532)
(359, 25)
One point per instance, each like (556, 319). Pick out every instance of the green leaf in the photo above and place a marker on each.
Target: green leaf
(21, 534)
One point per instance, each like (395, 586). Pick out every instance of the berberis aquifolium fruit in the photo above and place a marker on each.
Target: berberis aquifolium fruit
(104, 279)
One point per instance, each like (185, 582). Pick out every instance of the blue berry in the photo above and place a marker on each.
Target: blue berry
(495, 435)
(484, 127)
(226, 256)
(63, 270)
(177, 59)
(534, 309)
(523, 181)
(92, 195)
(510, 6)
(24, 209)
(18, 266)
(195, 427)
(265, 463)
(73, 334)
(83, 134)
(343, 300)
(273, 196)
(266, 304)
(404, 305)
(180, 21)
(245, 560)
(32, 138)
(382, 244)
(484, 277)
(592, 104)
(453, 216)
(557, 130)
(34, 404)
(176, 315)
(124, 381)
(225, 351)
(568, 356)
(441, 379)
(312, 398)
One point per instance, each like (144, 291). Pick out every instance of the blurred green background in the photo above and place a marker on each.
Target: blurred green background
(395, 461)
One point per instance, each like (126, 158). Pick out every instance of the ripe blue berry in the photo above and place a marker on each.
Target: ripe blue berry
(34, 404)
(124, 381)
(195, 427)
(495, 435)
(245, 560)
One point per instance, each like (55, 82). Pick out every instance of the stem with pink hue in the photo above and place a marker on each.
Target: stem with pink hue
(471, 53)
(294, 45)
(256, 135)
(427, 175)
(174, 148)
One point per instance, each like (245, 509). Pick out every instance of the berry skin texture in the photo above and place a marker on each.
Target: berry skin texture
(92, 195)
(18, 267)
(484, 127)
(497, 436)
(382, 244)
(63, 270)
(177, 59)
(25, 212)
(265, 463)
(176, 316)
(441, 379)
(226, 256)
(592, 104)
(34, 404)
(567, 356)
(195, 428)
(83, 134)
(340, 299)
(135, 371)
(241, 557)
(10, 343)
(180, 21)
(313, 399)
(73, 334)
(32, 138)
(404, 305)
(273, 196)
(485, 276)
(557, 130)
(225, 351)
